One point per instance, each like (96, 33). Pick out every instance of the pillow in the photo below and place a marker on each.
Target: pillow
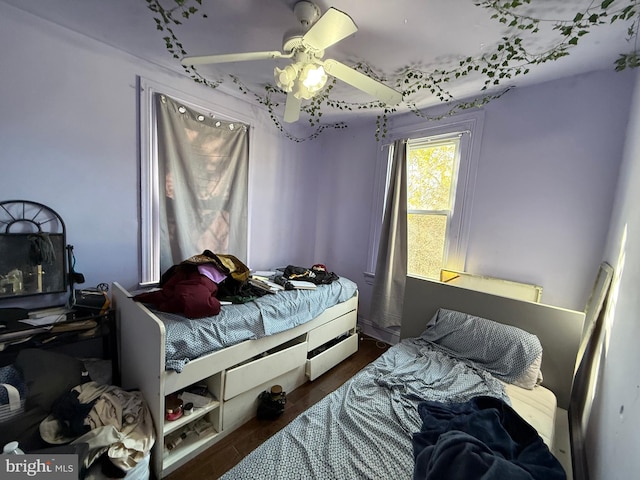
(532, 376)
(503, 350)
(47, 375)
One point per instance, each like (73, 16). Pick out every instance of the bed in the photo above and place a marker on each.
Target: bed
(382, 422)
(286, 338)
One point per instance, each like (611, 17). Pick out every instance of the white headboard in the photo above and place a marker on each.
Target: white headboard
(558, 329)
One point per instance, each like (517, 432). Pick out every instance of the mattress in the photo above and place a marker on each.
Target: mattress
(537, 407)
(187, 339)
(364, 428)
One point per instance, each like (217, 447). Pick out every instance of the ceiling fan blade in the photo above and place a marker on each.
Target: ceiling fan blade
(379, 90)
(330, 28)
(232, 57)
(292, 108)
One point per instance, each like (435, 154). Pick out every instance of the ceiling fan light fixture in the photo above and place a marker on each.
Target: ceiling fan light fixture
(313, 77)
(310, 81)
(308, 72)
(303, 79)
(285, 77)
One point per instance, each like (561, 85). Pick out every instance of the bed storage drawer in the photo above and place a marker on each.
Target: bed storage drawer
(329, 331)
(326, 360)
(244, 377)
(244, 407)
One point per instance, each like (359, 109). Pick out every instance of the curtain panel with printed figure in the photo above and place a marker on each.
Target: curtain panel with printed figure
(203, 167)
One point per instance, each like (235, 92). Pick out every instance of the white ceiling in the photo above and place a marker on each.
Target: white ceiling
(391, 35)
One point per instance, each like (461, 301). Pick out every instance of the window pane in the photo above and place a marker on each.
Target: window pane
(429, 176)
(426, 241)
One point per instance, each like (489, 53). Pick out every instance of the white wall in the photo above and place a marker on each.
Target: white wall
(612, 432)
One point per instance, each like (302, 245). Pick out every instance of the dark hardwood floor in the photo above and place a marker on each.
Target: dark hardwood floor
(230, 450)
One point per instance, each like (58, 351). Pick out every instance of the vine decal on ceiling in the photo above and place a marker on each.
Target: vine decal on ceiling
(508, 59)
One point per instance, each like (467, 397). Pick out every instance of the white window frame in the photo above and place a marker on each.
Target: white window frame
(148, 163)
(452, 220)
(469, 126)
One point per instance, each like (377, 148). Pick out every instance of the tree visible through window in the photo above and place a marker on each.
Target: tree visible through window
(432, 168)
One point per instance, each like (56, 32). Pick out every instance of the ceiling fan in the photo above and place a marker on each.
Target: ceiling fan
(306, 76)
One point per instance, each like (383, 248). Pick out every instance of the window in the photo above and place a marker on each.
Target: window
(432, 167)
(441, 171)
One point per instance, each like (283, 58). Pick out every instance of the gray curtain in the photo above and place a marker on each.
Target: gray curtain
(391, 264)
(203, 167)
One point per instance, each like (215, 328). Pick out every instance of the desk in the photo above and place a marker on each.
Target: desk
(77, 326)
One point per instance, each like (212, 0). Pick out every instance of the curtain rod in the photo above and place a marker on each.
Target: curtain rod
(433, 138)
(202, 112)
(404, 140)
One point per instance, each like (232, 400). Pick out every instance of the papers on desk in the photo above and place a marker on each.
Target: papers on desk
(27, 331)
(46, 312)
(46, 320)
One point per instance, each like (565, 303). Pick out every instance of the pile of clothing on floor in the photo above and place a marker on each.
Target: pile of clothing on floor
(64, 406)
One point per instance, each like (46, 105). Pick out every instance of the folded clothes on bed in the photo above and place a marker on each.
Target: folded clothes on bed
(482, 438)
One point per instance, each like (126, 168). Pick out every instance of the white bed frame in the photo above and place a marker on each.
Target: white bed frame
(235, 375)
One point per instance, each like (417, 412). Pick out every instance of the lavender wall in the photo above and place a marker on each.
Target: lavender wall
(68, 137)
(346, 172)
(612, 431)
(544, 190)
(546, 183)
(544, 193)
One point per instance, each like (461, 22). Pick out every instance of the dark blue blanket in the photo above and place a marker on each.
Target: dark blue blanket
(482, 438)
